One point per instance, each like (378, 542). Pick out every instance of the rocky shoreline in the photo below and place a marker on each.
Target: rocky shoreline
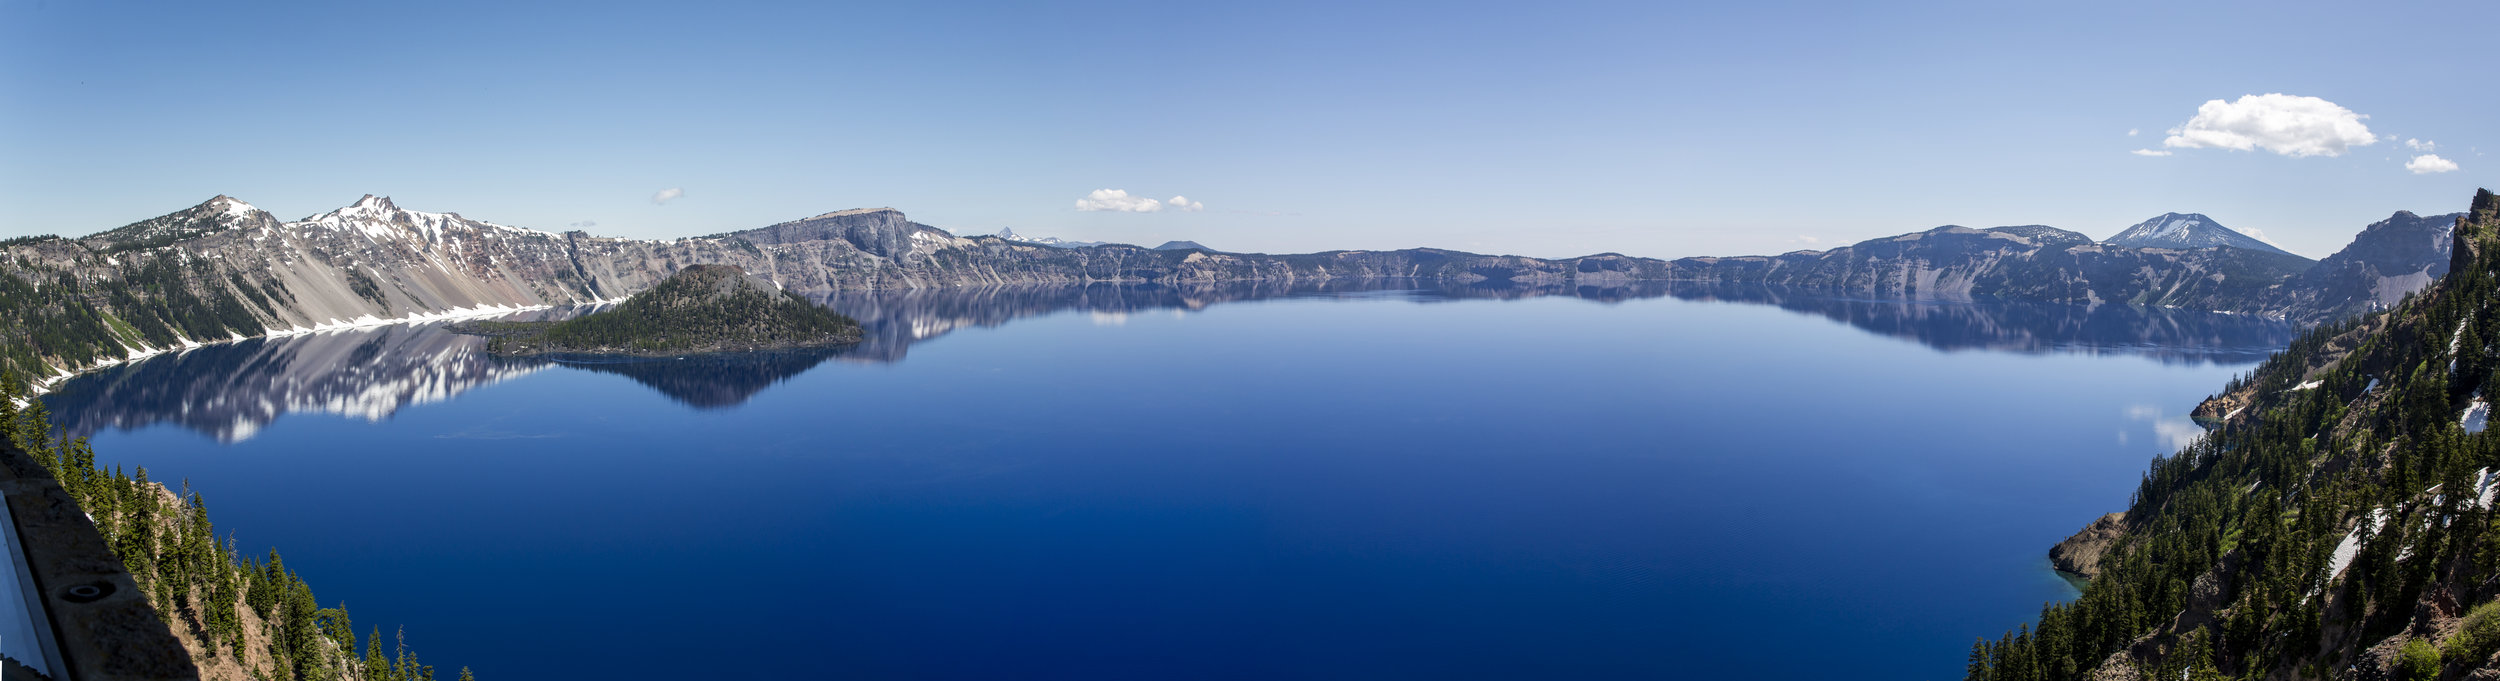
(2080, 555)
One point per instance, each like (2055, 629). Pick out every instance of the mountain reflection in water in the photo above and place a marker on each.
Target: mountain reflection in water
(229, 391)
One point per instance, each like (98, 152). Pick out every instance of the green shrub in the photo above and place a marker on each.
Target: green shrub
(2477, 636)
(2419, 661)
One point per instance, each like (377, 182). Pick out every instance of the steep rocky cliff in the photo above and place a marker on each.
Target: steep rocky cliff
(2338, 521)
(2390, 259)
(2026, 263)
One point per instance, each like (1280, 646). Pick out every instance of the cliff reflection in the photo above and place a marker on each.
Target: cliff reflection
(230, 391)
(2167, 335)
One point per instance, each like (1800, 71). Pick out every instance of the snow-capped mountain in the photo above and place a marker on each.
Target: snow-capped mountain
(219, 214)
(225, 270)
(2187, 231)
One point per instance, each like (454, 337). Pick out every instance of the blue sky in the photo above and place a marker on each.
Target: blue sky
(1550, 129)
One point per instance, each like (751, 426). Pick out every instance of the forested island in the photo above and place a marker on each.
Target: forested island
(701, 309)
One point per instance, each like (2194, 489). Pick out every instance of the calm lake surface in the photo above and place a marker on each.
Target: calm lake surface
(1246, 482)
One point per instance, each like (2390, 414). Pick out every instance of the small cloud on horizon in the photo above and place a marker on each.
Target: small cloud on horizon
(667, 195)
(2149, 152)
(2289, 125)
(1119, 201)
(2430, 163)
(584, 224)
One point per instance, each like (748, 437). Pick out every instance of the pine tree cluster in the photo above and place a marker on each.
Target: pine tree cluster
(56, 318)
(199, 584)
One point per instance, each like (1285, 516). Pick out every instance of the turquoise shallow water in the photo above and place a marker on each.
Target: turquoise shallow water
(1149, 483)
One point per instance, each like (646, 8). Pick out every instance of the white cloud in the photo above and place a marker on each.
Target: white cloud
(667, 195)
(2421, 145)
(1118, 201)
(2284, 124)
(2430, 163)
(2174, 432)
(2132, 131)
(2255, 233)
(2149, 152)
(583, 224)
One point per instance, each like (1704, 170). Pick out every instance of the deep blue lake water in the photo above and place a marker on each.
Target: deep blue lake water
(1142, 483)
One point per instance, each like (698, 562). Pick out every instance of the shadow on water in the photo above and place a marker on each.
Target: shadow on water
(230, 391)
(706, 381)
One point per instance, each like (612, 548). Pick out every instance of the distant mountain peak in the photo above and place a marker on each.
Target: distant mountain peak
(231, 206)
(1051, 241)
(2173, 225)
(1181, 246)
(374, 204)
(217, 214)
(2188, 231)
(369, 207)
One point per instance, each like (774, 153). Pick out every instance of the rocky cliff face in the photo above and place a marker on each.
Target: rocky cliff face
(2024, 263)
(225, 269)
(2388, 260)
(2081, 554)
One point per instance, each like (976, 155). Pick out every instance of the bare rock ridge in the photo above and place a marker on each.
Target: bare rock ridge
(2081, 554)
(2389, 259)
(225, 269)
